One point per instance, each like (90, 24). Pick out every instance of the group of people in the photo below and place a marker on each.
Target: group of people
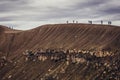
(73, 22)
(90, 22)
(109, 22)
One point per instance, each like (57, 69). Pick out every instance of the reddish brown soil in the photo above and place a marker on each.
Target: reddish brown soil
(66, 36)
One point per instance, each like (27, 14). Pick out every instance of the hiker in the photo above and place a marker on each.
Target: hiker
(109, 22)
(101, 22)
(67, 22)
(73, 21)
(90, 22)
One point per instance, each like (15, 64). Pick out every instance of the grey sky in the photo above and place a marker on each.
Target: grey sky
(27, 14)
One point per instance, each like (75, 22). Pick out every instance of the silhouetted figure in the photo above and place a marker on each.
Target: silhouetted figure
(109, 22)
(90, 22)
(101, 22)
(73, 21)
(67, 22)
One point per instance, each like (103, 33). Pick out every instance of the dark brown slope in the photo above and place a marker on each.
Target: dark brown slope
(66, 36)
(76, 36)
(2, 33)
(6, 38)
(70, 36)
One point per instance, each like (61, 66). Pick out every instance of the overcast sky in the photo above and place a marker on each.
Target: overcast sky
(27, 14)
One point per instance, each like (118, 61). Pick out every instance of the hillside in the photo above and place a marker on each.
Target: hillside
(67, 36)
(54, 36)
